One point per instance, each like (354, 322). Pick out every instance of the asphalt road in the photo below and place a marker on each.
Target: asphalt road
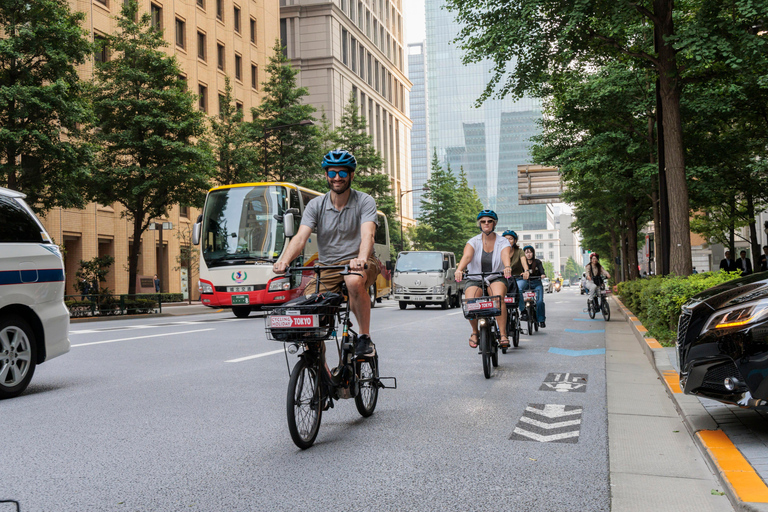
(188, 413)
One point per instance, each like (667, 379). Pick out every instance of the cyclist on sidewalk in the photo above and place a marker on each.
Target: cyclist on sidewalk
(345, 220)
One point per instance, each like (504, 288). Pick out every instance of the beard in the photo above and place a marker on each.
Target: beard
(344, 186)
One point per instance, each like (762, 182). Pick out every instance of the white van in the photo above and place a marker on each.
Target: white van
(425, 277)
(34, 322)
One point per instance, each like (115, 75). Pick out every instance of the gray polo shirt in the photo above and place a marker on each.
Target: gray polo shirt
(338, 232)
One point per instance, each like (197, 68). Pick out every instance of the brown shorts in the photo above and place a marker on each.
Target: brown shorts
(331, 280)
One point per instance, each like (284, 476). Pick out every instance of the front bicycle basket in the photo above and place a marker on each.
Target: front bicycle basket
(303, 319)
(480, 307)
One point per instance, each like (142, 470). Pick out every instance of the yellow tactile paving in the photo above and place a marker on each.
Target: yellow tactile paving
(673, 381)
(745, 481)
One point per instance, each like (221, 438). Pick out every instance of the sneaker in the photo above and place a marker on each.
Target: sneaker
(542, 325)
(364, 345)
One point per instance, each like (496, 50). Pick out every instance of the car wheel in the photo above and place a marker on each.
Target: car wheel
(18, 353)
(241, 311)
(403, 305)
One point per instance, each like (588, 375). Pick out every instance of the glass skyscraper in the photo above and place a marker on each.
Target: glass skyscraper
(489, 142)
(420, 157)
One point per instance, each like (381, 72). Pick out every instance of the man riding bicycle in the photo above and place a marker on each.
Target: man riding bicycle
(345, 221)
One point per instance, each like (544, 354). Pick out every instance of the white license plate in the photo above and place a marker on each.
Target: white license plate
(529, 295)
(240, 289)
(418, 298)
(293, 321)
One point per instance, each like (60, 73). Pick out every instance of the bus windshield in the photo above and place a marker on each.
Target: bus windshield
(419, 262)
(243, 224)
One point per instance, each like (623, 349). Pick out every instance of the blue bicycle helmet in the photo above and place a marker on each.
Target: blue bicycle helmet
(510, 232)
(488, 213)
(339, 158)
(531, 248)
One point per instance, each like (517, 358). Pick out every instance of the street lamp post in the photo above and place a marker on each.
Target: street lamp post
(402, 240)
(305, 122)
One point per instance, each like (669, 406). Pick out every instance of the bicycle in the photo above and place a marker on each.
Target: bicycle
(529, 301)
(599, 302)
(306, 324)
(514, 325)
(485, 309)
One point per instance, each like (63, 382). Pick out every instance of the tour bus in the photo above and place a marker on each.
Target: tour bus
(244, 229)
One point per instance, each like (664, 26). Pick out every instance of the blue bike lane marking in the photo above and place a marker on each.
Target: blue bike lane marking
(576, 353)
(589, 331)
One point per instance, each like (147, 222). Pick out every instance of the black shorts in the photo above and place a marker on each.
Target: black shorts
(479, 284)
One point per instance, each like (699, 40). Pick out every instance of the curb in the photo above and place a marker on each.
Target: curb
(743, 486)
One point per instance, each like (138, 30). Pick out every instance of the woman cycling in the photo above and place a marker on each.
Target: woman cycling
(486, 252)
(535, 269)
(517, 262)
(595, 274)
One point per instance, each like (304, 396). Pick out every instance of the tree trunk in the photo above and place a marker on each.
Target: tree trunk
(677, 188)
(632, 247)
(753, 242)
(615, 240)
(133, 254)
(732, 230)
(656, 227)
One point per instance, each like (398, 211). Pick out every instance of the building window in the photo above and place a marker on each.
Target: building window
(551, 255)
(220, 10)
(201, 46)
(201, 3)
(102, 52)
(222, 105)
(184, 211)
(539, 236)
(220, 56)
(253, 31)
(156, 13)
(526, 237)
(103, 2)
(551, 245)
(237, 19)
(239, 107)
(202, 91)
(284, 36)
(344, 47)
(180, 33)
(538, 246)
(551, 235)
(353, 54)
(238, 68)
(254, 77)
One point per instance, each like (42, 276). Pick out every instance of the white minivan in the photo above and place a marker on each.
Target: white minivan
(426, 277)
(34, 322)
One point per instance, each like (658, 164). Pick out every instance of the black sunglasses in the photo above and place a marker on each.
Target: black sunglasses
(481, 222)
(332, 174)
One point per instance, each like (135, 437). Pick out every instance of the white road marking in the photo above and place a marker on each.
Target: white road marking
(546, 439)
(149, 326)
(140, 337)
(456, 313)
(549, 426)
(248, 358)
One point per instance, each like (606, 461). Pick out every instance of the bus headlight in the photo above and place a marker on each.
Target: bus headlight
(204, 287)
(280, 284)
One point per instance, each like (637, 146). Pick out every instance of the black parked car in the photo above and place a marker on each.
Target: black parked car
(722, 343)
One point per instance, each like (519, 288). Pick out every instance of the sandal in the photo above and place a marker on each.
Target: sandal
(473, 342)
(504, 342)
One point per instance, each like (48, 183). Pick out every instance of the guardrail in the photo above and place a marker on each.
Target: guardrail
(86, 305)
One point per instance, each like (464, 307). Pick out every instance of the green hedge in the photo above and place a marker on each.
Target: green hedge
(656, 301)
(164, 297)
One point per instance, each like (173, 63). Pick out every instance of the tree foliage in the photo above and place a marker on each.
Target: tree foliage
(43, 102)
(238, 158)
(288, 150)
(149, 123)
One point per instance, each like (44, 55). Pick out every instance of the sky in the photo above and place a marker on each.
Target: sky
(413, 18)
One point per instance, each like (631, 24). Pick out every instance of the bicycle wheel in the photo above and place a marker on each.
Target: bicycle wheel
(606, 310)
(516, 330)
(530, 323)
(591, 309)
(485, 348)
(495, 348)
(304, 404)
(368, 379)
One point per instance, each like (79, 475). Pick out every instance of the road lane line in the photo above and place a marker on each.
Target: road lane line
(248, 358)
(140, 337)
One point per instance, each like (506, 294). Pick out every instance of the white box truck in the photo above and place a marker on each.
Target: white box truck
(426, 277)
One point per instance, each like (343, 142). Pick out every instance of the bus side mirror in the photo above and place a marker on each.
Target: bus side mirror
(445, 265)
(196, 230)
(288, 224)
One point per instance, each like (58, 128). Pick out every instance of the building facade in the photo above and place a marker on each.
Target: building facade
(420, 148)
(354, 48)
(211, 39)
(489, 141)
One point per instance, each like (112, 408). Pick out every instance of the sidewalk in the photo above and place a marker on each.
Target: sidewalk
(169, 309)
(718, 441)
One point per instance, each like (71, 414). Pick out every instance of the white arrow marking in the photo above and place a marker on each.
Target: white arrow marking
(563, 386)
(550, 426)
(553, 411)
(545, 439)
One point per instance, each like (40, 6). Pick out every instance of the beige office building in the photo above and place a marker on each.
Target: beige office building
(345, 47)
(211, 39)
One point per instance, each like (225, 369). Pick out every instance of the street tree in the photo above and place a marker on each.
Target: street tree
(43, 102)
(238, 157)
(289, 150)
(151, 153)
(530, 41)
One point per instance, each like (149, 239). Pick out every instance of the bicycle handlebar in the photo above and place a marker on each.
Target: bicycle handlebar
(318, 268)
